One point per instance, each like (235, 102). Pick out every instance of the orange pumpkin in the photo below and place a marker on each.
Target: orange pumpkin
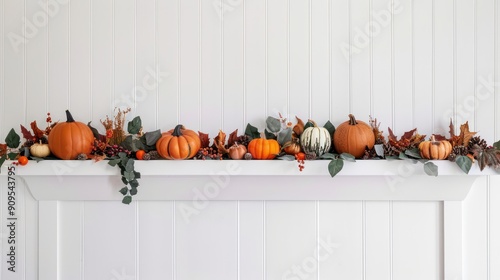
(69, 139)
(261, 148)
(435, 149)
(292, 147)
(178, 143)
(353, 137)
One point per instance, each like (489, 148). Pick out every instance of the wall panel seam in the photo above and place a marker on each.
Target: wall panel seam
(91, 93)
(179, 86)
(330, 60)
(288, 57)
(2, 57)
(412, 24)
(200, 61)
(267, 60)
(82, 240)
(157, 65)
(135, 57)
(174, 241)
(455, 101)
(112, 55)
(350, 56)
(25, 65)
(393, 86)
(433, 110)
(475, 65)
(244, 65)
(222, 63)
(370, 31)
(69, 56)
(310, 61)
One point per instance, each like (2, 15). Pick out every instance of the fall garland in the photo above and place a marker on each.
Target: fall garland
(281, 139)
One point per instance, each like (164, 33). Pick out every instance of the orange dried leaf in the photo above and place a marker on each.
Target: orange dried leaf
(38, 133)
(466, 134)
(3, 149)
(233, 137)
(219, 142)
(205, 140)
(452, 129)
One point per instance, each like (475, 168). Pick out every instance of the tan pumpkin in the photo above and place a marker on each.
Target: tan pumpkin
(178, 143)
(435, 149)
(353, 137)
(40, 150)
(237, 151)
(292, 147)
(69, 139)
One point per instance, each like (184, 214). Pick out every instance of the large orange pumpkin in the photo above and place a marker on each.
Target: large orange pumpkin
(263, 148)
(69, 139)
(178, 143)
(353, 137)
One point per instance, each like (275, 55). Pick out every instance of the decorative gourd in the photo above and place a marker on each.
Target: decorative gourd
(178, 143)
(40, 150)
(261, 148)
(435, 149)
(237, 151)
(69, 139)
(316, 140)
(353, 137)
(292, 147)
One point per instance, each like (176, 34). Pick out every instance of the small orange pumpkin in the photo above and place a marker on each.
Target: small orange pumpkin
(178, 143)
(435, 149)
(69, 139)
(292, 147)
(353, 137)
(261, 148)
(237, 151)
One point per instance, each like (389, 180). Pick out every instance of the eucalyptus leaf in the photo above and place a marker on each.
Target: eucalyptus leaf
(286, 157)
(37, 159)
(391, 157)
(122, 156)
(130, 166)
(133, 191)
(285, 136)
(415, 153)
(496, 145)
(132, 143)
(137, 175)
(347, 157)
(127, 199)
(135, 125)
(152, 137)
(335, 166)
(114, 162)
(134, 184)
(269, 135)
(273, 124)
(330, 127)
(465, 163)
(328, 156)
(379, 150)
(124, 181)
(252, 132)
(13, 139)
(129, 175)
(124, 190)
(431, 169)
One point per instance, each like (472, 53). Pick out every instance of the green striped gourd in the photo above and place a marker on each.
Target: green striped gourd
(316, 140)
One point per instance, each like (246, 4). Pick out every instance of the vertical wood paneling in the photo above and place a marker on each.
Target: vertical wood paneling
(124, 49)
(147, 76)
(340, 225)
(155, 223)
(31, 238)
(443, 64)
(485, 43)
(251, 242)
(291, 239)
(167, 24)
(71, 238)
(403, 66)
(211, 66)
(475, 231)
(190, 63)
(320, 61)
(233, 66)
(360, 88)
(299, 59)
(377, 241)
(2, 68)
(48, 239)
(340, 47)
(36, 66)
(79, 51)
(110, 226)
(417, 229)
(213, 253)
(277, 57)
(255, 62)
(59, 70)
(102, 61)
(494, 220)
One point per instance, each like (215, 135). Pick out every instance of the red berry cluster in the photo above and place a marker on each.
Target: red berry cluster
(100, 148)
(208, 153)
(300, 157)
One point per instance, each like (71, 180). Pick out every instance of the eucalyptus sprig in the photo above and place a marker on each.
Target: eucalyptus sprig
(337, 162)
(129, 176)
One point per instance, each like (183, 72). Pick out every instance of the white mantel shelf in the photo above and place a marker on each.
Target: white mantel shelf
(249, 180)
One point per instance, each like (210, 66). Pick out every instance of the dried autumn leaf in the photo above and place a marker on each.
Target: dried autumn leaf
(439, 137)
(3, 149)
(465, 134)
(417, 139)
(298, 128)
(26, 133)
(409, 134)
(205, 140)
(38, 133)
(452, 129)
(219, 142)
(233, 137)
(392, 137)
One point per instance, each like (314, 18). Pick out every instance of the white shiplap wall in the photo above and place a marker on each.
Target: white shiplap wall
(220, 64)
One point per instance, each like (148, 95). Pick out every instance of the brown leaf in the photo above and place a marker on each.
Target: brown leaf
(454, 140)
(452, 129)
(417, 139)
(205, 140)
(298, 128)
(439, 137)
(26, 133)
(465, 134)
(38, 133)
(219, 142)
(392, 137)
(409, 134)
(96, 158)
(3, 149)
(233, 137)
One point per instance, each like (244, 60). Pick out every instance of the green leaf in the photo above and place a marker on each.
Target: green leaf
(2, 160)
(379, 150)
(347, 157)
(335, 166)
(285, 136)
(124, 181)
(465, 163)
(134, 183)
(403, 156)
(127, 199)
(132, 143)
(269, 135)
(37, 159)
(12, 140)
(137, 175)
(431, 169)
(415, 153)
(133, 191)
(496, 145)
(124, 190)
(273, 124)
(129, 175)
(329, 156)
(152, 137)
(330, 127)
(114, 162)
(308, 124)
(94, 131)
(252, 132)
(391, 157)
(130, 166)
(123, 157)
(135, 125)
(286, 157)
(12, 156)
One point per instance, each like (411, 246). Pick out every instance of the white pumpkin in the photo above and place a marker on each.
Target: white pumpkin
(40, 150)
(316, 140)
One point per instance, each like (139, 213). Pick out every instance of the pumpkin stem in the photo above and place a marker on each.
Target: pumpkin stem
(313, 122)
(69, 117)
(177, 130)
(352, 120)
(433, 138)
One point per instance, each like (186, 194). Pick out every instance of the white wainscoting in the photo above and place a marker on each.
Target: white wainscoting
(220, 64)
